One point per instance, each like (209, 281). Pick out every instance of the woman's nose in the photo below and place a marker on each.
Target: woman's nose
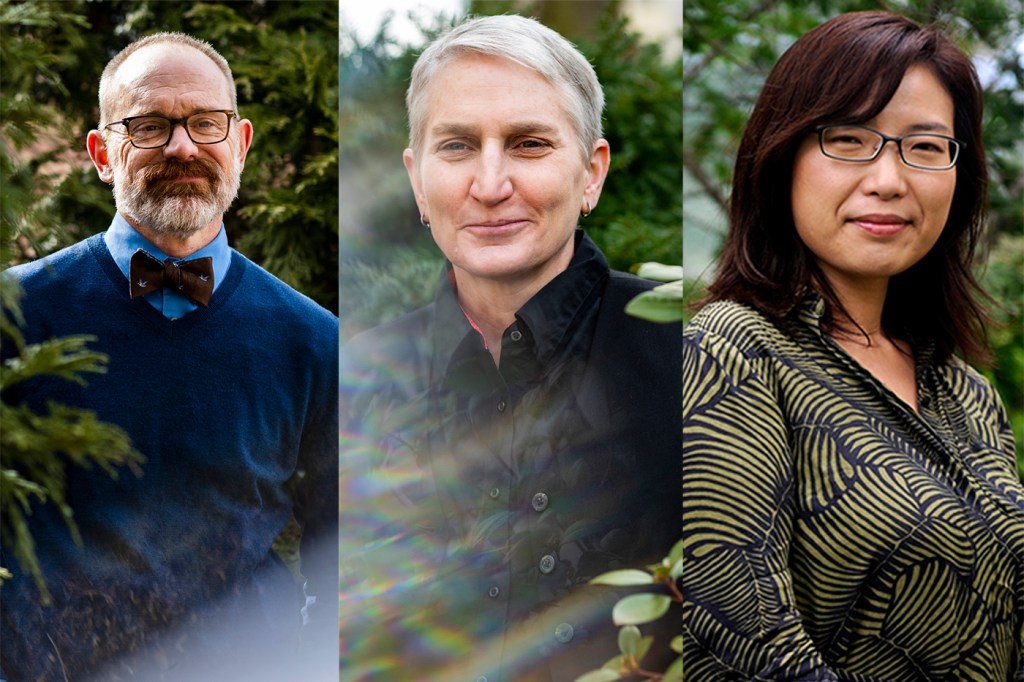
(492, 182)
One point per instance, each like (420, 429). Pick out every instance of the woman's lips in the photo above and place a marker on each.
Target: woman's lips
(496, 227)
(880, 225)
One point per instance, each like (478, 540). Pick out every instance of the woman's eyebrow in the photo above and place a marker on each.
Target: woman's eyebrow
(929, 127)
(512, 129)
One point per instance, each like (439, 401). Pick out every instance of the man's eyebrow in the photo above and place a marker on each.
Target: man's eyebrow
(196, 110)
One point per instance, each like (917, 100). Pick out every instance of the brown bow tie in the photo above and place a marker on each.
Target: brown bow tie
(192, 278)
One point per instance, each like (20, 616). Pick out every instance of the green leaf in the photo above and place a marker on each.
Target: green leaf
(643, 647)
(677, 644)
(65, 358)
(676, 553)
(623, 577)
(640, 608)
(629, 638)
(675, 561)
(659, 272)
(661, 304)
(601, 675)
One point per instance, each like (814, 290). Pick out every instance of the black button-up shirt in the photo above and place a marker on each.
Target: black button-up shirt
(478, 499)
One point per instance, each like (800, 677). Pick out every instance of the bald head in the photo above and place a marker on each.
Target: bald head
(133, 67)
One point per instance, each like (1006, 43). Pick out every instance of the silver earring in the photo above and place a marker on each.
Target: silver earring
(587, 211)
(425, 221)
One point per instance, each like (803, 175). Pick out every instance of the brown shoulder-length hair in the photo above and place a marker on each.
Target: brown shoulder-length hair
(846, 71)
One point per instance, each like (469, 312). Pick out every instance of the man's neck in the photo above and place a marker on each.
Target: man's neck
(178, 246)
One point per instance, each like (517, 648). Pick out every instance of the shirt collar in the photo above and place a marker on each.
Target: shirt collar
(123, 240)
(548, 319)
(812, 309)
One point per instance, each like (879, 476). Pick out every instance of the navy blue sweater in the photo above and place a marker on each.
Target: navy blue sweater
(226, 404)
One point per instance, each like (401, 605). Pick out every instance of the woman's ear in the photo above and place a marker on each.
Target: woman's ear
(600, 159)
(409, 158)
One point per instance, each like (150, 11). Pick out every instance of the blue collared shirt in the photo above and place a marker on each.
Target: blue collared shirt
(123, 240)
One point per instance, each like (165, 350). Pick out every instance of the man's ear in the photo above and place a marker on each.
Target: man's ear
(98, 153)
(245, 132)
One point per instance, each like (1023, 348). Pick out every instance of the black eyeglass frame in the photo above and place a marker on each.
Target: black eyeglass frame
(232, 116)
(958, 146)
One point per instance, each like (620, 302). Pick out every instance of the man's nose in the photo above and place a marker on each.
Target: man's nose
(180, 146)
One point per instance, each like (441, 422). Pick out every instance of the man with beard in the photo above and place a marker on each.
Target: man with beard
(226, 381)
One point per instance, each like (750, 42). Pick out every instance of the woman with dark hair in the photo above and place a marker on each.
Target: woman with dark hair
(851, 507)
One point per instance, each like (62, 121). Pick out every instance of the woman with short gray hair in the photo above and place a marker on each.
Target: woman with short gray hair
(527, 429)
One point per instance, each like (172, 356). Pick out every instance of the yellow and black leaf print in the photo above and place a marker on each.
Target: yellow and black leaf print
(832, 532)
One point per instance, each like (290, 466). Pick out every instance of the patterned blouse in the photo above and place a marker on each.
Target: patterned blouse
(832, 532)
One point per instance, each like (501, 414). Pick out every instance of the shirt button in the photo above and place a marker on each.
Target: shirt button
(495, 493)
(564, 633)
(540, 502)
(494, 591)
(502, 405)
(516, 335)
(547, 564)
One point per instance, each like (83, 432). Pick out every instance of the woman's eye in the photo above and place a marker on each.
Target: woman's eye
(845, 139)
(532, 144)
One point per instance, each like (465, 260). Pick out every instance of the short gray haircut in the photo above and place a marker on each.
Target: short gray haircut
(107, 94)
(526, 42)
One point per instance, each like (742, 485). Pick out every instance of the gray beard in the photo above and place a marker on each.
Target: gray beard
(178, 216)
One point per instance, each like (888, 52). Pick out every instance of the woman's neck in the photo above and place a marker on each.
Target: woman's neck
(862, 305)
(492, 306)
(492, 302)
(858, 330)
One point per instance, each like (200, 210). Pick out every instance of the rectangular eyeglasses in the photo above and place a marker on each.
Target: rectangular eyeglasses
(202, 127)
(927, 151)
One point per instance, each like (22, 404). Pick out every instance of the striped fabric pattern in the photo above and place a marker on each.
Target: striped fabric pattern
(833, 533)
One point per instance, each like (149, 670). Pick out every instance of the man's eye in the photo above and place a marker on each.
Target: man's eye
(143, 127)
(454, 146)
